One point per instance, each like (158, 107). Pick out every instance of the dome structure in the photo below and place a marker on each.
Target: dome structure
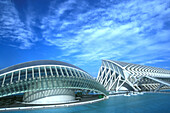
(46, 82)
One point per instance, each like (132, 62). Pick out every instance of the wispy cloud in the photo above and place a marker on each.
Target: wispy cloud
(132, 31)
(154, 61)
(13, 28)
(86, 31)
(167, 68)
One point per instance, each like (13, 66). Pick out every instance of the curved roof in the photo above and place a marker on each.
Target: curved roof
(37, 62)
(125, 65)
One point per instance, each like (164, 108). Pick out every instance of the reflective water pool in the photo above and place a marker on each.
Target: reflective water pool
(146, 103)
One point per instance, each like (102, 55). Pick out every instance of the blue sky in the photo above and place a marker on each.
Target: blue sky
(83, 32)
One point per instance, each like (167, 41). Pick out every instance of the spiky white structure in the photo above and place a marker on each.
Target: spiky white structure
(116, 76)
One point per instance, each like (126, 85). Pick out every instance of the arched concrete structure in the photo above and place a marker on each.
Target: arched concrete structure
(114, 75)
(52, 78)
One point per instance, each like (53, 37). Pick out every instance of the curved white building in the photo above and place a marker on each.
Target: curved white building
(118, 76)
(46, 82)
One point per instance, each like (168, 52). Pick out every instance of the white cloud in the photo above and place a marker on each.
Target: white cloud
(123, 31)
(12, 28)
(167, 67)
(154, 61)
(131, 31)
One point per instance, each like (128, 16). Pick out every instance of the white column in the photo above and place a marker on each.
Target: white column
(12, 76)
(56, 71)
(71, 72)
(19, 75)
(75, 73)
(33, 73)
(51, 71)
(66, 72)
(26, 74)
(39, 73)
(61, 71)
(45, 71)
(78, 73)
(3, 80)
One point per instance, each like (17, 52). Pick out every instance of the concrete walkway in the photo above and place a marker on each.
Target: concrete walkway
(53, 106)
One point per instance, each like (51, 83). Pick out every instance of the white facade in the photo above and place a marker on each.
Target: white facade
(116, 76)
(49, 96)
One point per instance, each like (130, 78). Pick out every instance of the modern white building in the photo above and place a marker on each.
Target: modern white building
(46, 82)
(122, 76)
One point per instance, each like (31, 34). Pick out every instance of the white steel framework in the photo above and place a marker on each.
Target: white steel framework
(117, 76)
(46, 78)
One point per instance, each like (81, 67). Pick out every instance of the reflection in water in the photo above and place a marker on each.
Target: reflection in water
(147, 103)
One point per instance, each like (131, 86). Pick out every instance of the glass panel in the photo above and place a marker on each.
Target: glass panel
(107, 70)
(42, 71)
(111, 72)
(102, 68)
(73, 72)
(86, 76)
(81, 74)
(48, 71)
(64, 72)
(108, 77)
(59, 71)
(22, 74)
(106, 64)
(121, 71)
(24, 86)
(112, 66)
(103, 75)
(7, 90)
(68, 71)
(115, 67)
(16, 88)
(104, 81)
(8, 78)
(117, 75)
(29, 73)
(77, 73)
(15, 76)
(54, 71)
(12, 89)
(1, 79)
(36, 72)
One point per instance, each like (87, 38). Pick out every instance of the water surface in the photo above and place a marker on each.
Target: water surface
(147, 103)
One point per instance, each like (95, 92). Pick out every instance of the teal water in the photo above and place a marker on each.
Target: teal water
(147, 103)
